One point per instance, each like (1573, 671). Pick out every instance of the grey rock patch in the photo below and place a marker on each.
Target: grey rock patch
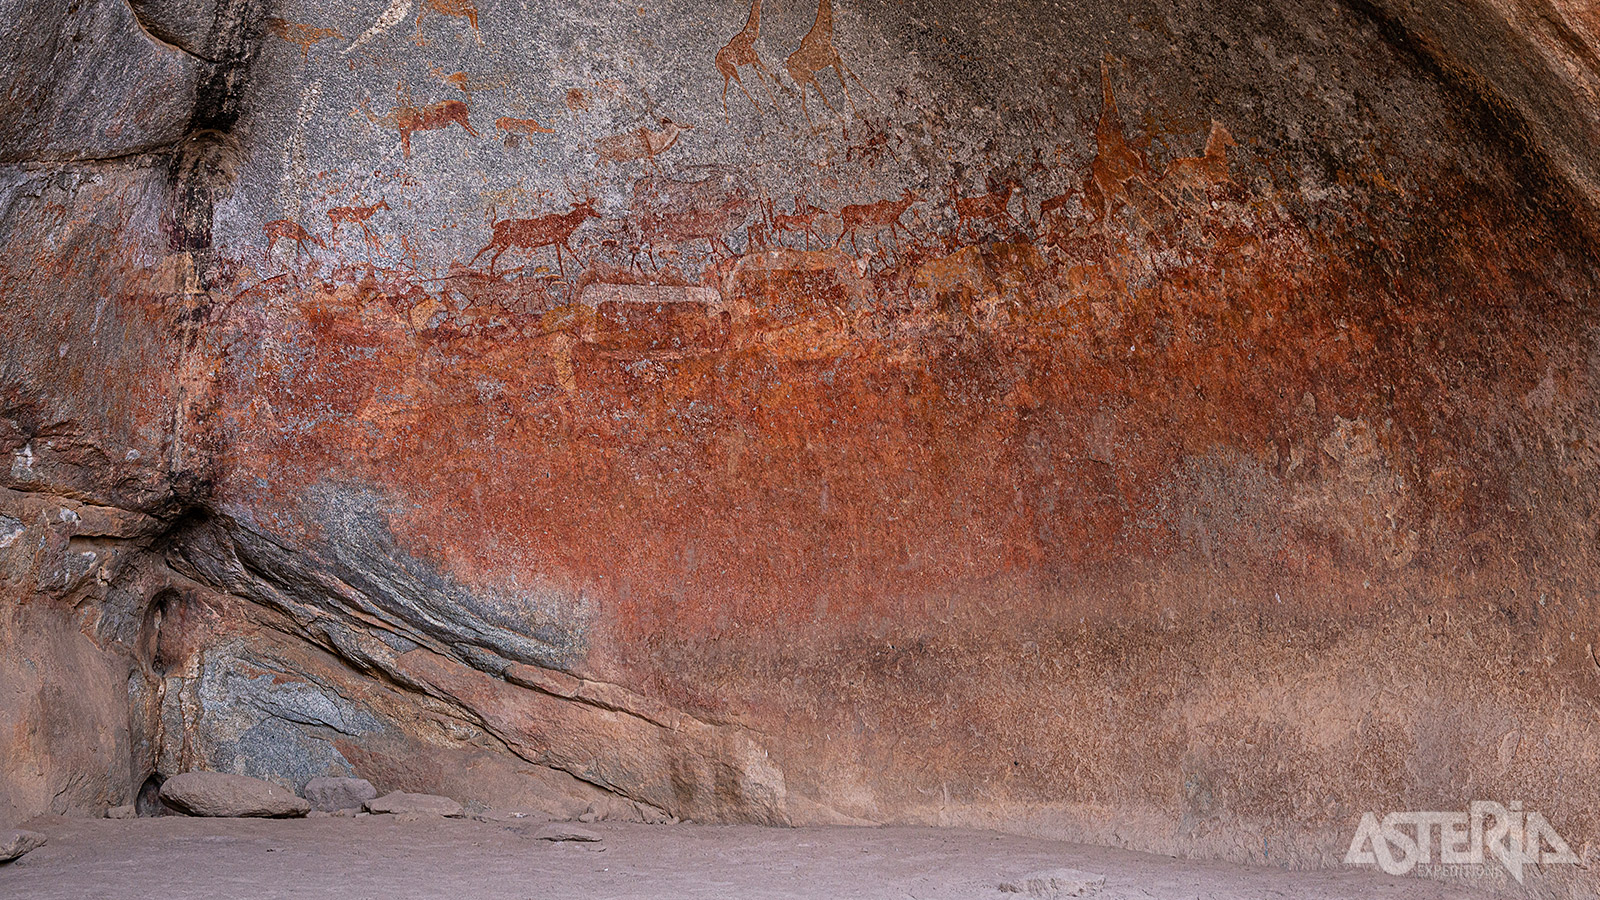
(226, 795)
(15, 843)
(330, 794)
(1052, 883)
(400, 802)
(10, 530)
(561, 831)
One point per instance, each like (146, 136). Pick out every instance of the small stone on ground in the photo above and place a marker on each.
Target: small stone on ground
(401, 803)
(224, 795)
(15, 843)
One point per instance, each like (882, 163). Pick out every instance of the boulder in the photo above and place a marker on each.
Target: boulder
(15, 843)
(402, 803)
(332, 794)
(222, 794)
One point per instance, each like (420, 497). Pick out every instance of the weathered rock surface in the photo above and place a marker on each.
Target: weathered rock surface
(1236, 368)
(1050, 884)
(559, 832)
(401, 803)
(15, 843)
(331, 794)
(227, 795)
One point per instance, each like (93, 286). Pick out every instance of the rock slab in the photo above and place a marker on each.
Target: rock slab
(558, 831)
(1053, 883)
(401, 803)
(15, 843)
(334, 794)
(225, 795)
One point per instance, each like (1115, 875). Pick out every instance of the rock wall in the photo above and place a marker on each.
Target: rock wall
(1154, 424)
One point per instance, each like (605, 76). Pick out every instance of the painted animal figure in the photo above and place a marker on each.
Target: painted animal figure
(358, 216)
(410, 119)
(302, 36)
(544, 231)
(875, 216)
(993, 207)
(641, 143)
(1054, 205)
(1115, 162)
(461, 9)
(528, 127)
(679, 212)
(740, 50)
(1197, 173)
(470, 84)
(288, 229)
(815, 53)
(802, 220)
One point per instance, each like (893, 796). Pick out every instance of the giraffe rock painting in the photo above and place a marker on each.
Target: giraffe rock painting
(815, 53)
(1116, 163)
(740, 50)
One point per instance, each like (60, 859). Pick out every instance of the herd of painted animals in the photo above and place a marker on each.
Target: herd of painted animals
(666, 214)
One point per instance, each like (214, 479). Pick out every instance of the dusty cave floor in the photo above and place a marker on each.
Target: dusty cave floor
(379, 857)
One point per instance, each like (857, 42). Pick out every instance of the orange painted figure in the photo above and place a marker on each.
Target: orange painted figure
(875, 216)
(1054, 205)
(461, 9)
(682, 212)
(803, 220)
(1115, 163)
(528, 127)
(288, 229)
(741, 51)
(410, 119)
(993, 207)
(641, 143)
(302, 36)
(815, 53)
(358, 216)
(1199, 173)
(544, 231)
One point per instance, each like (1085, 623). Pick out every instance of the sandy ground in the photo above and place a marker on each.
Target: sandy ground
(379, 858)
